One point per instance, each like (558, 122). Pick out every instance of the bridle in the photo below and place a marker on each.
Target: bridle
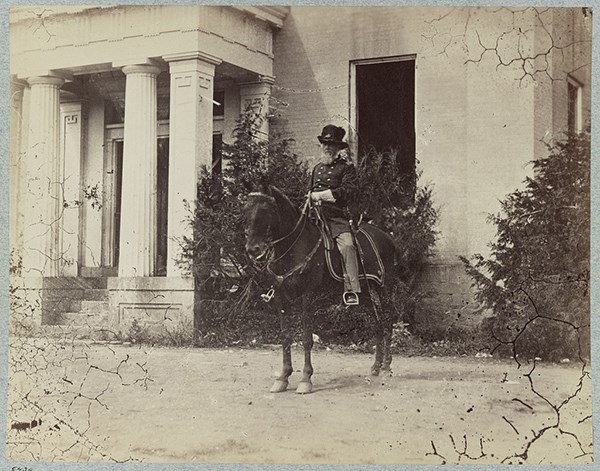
(299, 267)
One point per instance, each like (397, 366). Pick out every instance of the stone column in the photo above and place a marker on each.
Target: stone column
(137, 250)
(43, 201)
(19, 106)
(190, 141)
(254, 97)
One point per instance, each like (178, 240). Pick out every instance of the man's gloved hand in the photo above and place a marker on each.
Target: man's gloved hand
(324, 195)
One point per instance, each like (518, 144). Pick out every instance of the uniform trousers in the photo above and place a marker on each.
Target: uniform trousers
(347, 250)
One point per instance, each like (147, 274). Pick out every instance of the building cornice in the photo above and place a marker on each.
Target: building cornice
(31, 12)
(272, 15)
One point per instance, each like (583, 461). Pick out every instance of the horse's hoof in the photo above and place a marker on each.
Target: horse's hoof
(375, 371)
(304, 387)
(279, 386)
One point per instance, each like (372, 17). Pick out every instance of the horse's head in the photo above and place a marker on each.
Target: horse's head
(261, 216)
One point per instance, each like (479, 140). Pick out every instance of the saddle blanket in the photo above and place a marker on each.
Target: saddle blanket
(370, 256)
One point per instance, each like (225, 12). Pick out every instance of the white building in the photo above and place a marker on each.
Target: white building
(113, 114)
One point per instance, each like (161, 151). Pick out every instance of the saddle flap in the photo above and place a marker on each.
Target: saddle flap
(370, 256)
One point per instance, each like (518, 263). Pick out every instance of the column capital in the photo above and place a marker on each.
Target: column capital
(144, 69)
(17, 84)
(46, 80)
(65, 74)
(17, 88)
(261, 80)
(135, 61)
(195, 55)
(266, 79)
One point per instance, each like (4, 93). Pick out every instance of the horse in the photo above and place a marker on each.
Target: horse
(284, 241)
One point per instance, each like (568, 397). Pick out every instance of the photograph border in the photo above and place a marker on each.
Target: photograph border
(4, 251)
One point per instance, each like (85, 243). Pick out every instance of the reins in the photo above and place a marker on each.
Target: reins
(303, 217)
(299, 267)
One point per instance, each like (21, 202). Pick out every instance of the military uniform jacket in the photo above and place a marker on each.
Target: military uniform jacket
(340, 177)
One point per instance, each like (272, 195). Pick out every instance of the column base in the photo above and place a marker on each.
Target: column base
(147, 308)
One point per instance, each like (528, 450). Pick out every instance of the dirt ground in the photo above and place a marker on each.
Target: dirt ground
(103, 402)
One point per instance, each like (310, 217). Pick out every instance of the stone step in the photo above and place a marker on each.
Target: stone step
(76, 305)
(92, 306)
(79, 282)
(70, 333)
(61, 296)
(82, 319)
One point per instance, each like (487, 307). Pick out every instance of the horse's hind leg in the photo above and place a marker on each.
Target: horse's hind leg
(380, 345)
(281, 383)
(379, 332)
(387, 345)
(376, 368)
(388, 328)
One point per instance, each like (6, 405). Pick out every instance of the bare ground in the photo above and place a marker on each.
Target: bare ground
(102, 402)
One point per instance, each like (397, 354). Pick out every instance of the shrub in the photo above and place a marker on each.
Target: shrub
(215, 255)
(394, 201)
(228, 286)
(536, 279)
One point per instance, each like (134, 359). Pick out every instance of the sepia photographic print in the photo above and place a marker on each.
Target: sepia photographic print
(299, 235)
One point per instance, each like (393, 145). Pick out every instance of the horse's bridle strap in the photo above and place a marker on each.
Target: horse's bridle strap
(303, 214)
(264, 195)
(299, 266)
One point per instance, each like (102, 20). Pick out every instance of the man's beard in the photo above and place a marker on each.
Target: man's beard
(329, 155)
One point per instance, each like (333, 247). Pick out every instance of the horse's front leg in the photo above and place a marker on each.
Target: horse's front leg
(387, 348)
(281, 383)
(305, 386)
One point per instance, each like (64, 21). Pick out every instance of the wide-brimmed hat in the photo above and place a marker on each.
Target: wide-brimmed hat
(333, 135)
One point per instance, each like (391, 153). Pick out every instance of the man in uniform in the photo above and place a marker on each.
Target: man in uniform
(333, 185)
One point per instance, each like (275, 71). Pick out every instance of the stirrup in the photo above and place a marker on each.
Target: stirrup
(350, 298)
(266, 297)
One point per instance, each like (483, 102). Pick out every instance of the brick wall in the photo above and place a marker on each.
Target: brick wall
(477, 125)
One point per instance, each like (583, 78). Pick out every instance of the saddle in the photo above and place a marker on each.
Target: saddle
(370, 256)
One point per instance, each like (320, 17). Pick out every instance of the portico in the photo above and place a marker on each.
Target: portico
(115, 126)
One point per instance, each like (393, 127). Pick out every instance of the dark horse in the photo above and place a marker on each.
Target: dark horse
(285, 242)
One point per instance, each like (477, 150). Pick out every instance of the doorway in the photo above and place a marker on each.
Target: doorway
(113, 185)
(162, 205)
(384, 108)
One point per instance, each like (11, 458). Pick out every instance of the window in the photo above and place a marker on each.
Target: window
(219, 110)
(574, 116)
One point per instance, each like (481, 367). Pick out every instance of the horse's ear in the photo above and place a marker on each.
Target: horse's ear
(282, 200)
(253, 186)
(264, 186)
(248, 186)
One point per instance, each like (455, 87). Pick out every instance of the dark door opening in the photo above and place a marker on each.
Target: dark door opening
(162, 205)
(217, 154)
(385, 94)
(118, 149)
(162, 202)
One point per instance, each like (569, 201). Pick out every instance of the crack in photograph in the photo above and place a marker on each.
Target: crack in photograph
(299, 235)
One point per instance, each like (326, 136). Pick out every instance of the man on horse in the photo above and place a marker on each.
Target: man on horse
(334, 184)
